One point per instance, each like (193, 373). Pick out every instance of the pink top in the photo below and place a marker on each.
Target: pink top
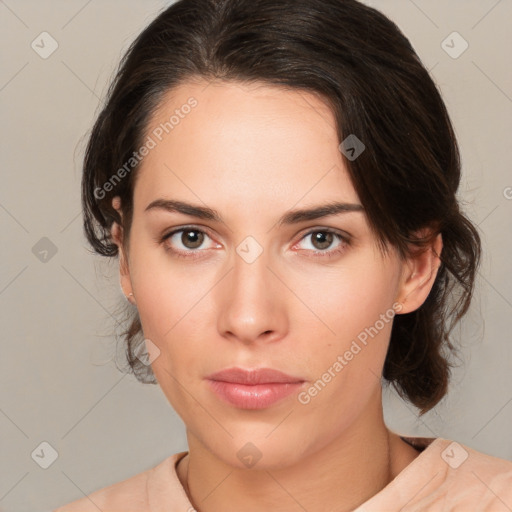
(446, 476)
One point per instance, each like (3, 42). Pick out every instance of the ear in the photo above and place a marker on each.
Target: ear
(419, 273)
(124, 269)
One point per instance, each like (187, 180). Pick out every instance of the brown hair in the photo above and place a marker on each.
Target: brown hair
(366, 70)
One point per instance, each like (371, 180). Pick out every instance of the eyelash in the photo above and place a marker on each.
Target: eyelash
(192, 254)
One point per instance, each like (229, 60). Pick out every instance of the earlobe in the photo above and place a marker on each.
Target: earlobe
(124, 277)
(419, 274)
(124, 271)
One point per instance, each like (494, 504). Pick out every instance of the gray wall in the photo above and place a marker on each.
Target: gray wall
(59, 383)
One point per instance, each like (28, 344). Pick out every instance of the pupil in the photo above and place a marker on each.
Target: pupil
(324, 239)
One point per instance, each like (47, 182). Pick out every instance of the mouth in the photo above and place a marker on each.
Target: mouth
(253, 389)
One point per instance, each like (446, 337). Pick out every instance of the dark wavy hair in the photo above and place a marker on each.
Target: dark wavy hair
(365, 69)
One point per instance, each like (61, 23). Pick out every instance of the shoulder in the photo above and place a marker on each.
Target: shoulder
(447, 476)
(456, 477)
(484, 478)
(129, 495)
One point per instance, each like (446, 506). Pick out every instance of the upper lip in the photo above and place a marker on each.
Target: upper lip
(253, 376)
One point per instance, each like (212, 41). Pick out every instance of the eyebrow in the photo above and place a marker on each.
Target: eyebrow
(291, 217)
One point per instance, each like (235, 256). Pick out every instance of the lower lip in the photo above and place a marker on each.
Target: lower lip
(257, 396)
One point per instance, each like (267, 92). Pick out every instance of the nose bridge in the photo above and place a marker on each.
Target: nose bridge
(251, 304)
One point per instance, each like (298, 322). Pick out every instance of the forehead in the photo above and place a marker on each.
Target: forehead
(244, 143)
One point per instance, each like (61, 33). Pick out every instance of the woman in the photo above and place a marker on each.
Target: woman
(279, 181)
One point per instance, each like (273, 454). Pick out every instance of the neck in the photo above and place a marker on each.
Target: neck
(341, 475)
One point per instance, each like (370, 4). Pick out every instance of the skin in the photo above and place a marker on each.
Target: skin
(253, 153)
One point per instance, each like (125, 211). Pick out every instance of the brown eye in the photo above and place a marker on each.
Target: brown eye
(191, 238)
(324, 243)
(322, 239)
(188, 242)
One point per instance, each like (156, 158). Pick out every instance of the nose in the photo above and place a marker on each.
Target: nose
(251, 303)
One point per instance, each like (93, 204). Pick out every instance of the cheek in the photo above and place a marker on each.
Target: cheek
(349, 299)
(169, 303)
(169, 309)
(168, 292)
(355, 306)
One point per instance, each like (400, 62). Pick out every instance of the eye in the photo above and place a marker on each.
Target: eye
(186, 241)
(190, 241)
(322, 239)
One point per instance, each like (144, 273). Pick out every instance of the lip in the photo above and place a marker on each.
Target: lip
(253, 389)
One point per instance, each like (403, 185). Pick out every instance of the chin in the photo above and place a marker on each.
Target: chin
(259, 452)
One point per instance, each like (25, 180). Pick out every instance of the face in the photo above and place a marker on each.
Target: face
(254, 286)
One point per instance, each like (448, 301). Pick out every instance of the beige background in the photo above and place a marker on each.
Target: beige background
(59, 383)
